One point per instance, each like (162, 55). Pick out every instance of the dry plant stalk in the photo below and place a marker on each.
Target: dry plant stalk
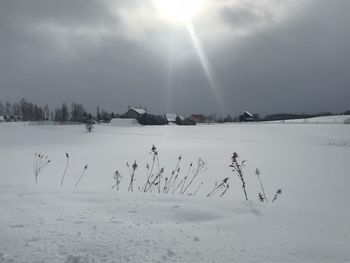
(150, 169)
(81, 176)
(223, 185)
(278, 192)
(117, 178)
(39, 163)
(132, 170)
(237, 168)
(200, 167)
(169, 182)
(65, 169)
(262, 197)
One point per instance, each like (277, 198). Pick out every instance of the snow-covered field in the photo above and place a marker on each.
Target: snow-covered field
(340, 119)
(44, 222)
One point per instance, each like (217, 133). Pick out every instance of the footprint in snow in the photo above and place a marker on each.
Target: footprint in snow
(196, 239)
(17, 226)
(113, 220)
(116, 222)
(170, 253)
(255, 211)
(32, 239)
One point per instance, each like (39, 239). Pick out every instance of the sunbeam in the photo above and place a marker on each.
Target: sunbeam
(178, 12)
(169, 83)
(203, 58)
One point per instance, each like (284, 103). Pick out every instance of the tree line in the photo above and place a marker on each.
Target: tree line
(24, 110)
(28, 111)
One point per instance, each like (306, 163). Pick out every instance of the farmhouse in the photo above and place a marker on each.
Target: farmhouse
(171, 117)
(198, 118)
(133, 113)
(246, 117)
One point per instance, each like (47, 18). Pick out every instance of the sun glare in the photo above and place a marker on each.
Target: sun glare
(179, 12)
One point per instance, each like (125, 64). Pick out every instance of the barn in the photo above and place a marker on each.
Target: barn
(246, 117)
(198, 118)
(133, 113)
(171, 117)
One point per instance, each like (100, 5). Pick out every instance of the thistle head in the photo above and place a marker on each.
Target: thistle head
(154, 150)
(116, 175)
(234, 156)
(257, 171)
(201, 162)
(134, 166)
(261, 197)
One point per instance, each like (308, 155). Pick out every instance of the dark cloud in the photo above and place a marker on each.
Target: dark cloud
(114, 55)
(297, 66)
(242, 16)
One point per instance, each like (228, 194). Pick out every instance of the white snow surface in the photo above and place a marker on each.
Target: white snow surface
(171, 117)
(123, 122)
(338, 119)
(44, 222)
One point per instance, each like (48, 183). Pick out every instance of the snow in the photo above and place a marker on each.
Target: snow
(44, 222)
(248, 113)
(171, 117)
(340, 119)
(123, 122)
(139, 111)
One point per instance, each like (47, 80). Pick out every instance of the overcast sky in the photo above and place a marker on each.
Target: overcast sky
(222, 56)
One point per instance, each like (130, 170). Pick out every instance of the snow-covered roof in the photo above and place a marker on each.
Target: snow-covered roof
(139, 111)
(2, 118)
(248, 113)
(171, 116)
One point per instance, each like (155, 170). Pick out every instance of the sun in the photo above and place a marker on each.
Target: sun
(179, 12)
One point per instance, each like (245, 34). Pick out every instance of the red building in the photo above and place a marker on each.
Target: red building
(198, 118)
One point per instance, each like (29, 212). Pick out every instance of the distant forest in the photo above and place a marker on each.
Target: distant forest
(28, 111)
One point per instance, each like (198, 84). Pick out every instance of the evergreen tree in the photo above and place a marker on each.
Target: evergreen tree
(58, 115)
(78, 112)
(16, 110)
(64, 113)
(98, 114)
(2, 108)
(8, 108)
